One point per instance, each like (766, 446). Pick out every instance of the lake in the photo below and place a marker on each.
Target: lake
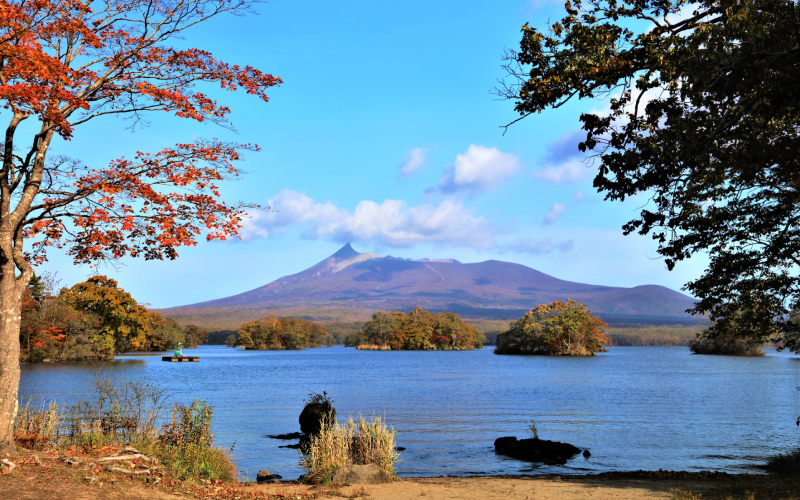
(634, 407)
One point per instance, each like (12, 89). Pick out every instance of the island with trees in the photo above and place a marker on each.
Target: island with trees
(417, 330)
(556, 329)
(93, 320)
(274, 333)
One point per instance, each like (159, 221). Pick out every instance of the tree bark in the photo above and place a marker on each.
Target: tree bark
(10, 308)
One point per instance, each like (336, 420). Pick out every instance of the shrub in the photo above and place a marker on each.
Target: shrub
(556, 329)
(785, 464)
(352, 443)
(186, 444)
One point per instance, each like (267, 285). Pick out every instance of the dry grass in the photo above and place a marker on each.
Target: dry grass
(350, 443)
(130, 415)
(36, 428)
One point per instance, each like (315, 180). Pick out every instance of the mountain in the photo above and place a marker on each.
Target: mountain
(492, 289)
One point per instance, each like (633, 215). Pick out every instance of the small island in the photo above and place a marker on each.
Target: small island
(557, 329)
(417, 330)
(276, 334)
(726, 345)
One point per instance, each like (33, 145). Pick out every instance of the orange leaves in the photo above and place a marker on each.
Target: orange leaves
(63, 63)
(145, 207)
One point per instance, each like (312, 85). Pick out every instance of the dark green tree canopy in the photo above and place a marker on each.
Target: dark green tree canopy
(703, 121)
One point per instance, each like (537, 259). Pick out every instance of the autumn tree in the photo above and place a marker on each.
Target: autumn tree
(273, 332)
(194, 335)
(559, 328)
(64, 63)
(702, 121)
(418, 330)
(125, 323)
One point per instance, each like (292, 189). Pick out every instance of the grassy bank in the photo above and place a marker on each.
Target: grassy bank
(165, 440)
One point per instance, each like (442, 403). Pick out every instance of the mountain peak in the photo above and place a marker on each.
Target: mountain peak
(345, 253)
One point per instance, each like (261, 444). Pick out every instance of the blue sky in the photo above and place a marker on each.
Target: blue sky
(385, 134)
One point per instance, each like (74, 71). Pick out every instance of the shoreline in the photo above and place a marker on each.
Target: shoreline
(53, 477)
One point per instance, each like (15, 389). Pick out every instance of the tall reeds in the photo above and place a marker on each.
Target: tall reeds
(359, 442)
(36, 428)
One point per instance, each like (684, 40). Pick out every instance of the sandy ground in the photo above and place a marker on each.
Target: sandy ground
(53, 480)
(514, 488)
(21, 487)
(491, 488)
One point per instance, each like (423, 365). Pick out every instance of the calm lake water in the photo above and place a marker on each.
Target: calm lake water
(634, 407)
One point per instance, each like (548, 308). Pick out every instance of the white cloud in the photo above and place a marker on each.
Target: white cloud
(296, 208)
(564, 173)
(552, 215)
(478, 169)
(579, 196)
(537, 247)
(390, 223)
(415, 160)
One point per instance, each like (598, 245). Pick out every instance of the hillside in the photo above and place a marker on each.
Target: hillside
(348, 286)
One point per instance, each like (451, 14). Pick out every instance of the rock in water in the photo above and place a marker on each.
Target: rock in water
(313, 415)
(586, 454)
(535, 450)
(265, 476)
(361, 474)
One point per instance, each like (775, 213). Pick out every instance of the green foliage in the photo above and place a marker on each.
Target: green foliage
(555, 329)
(189, 426)
(277, 333)
(125, 323)
(727, 345)
(340, 330)
(417, 330)
(730, 342)
(164, 334)
(704, 123)
(785, 464)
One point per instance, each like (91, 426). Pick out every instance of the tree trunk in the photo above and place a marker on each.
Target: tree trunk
(10, 308)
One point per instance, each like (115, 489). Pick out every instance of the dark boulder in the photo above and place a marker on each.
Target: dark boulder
(535, 450)
(292, 435)
(265, 476)
(315, 412)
